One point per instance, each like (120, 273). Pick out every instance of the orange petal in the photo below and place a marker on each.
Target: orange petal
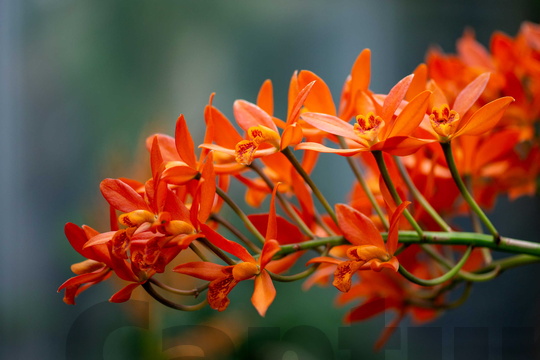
(271, 229)
(121, 196)
(201, 270)
(229, 246)
(292, 135)
(265, 98)
(395, 96)
(367, 253)
(343, 274)
(485, 118)
(330, 124)
(270, 248)
(357, 228)
(468, 96)
(324, 259)
(409, 118)
(392, 241)
(124, 294)
(264, 293)
(218, 290)
(178, 173)
(299, 102)
(184, 142)
(320, 98)
(361, 71)
(324, 149)
(419, 81)
(248, 115)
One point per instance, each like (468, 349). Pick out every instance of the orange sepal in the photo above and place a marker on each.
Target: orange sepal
(264, 293)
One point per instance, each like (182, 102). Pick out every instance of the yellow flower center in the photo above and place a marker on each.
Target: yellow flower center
(444, 121)
(245, 149)
(367, 128)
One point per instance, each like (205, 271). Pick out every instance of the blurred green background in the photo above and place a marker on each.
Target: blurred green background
(82, 83)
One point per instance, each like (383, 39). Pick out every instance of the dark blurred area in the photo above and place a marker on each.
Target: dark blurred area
(82, 83)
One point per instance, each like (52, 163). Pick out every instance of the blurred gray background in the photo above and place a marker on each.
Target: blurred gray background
(82, 83)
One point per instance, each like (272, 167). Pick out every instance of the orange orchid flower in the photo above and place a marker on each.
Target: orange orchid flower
(262, 133)
(369, 250)
(377, 128)
(448, 124)
(225, 278)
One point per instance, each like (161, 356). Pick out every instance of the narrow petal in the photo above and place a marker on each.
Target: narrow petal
(122, 196)
(361, 71)
(229, 246)
(201, 270)
(271, 229)
(485, 118)
(248, 115)
(320, 98)
(392, 241)
(222, 131)
(401, 145)
(99, 239)
(324, 149)
(270, 248)
(330, 124)
(292, 135)
(409, 118)
(324, 259)
(299, 102)
(264, 293)
(124, 294)
(220, 148)
(357, 228)
(468, 96)
(419, 81)
(178, 173)
(184, 142)
(395, 96)
(265, 98)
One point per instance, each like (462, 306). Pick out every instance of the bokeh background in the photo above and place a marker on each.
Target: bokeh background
(82, 83)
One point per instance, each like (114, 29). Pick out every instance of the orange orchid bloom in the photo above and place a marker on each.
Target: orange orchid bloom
(448, 123)
(369, 250)
(262, 133)
(377, 128)
(225, 278)
(95, 269)
(156, 227)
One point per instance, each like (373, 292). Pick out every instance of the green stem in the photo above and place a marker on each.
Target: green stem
(298, 167)
(197, 252)
(152, 292)
(447, 149)
(360, 178)
(194, 292)
(418, 196)
(441, 279)
(289, 278)
(530, 250)
(390, 185)
(240, 214)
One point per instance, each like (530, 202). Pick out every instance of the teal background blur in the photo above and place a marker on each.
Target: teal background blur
(82, 83)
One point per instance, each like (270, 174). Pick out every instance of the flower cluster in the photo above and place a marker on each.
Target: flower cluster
(444, 142)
